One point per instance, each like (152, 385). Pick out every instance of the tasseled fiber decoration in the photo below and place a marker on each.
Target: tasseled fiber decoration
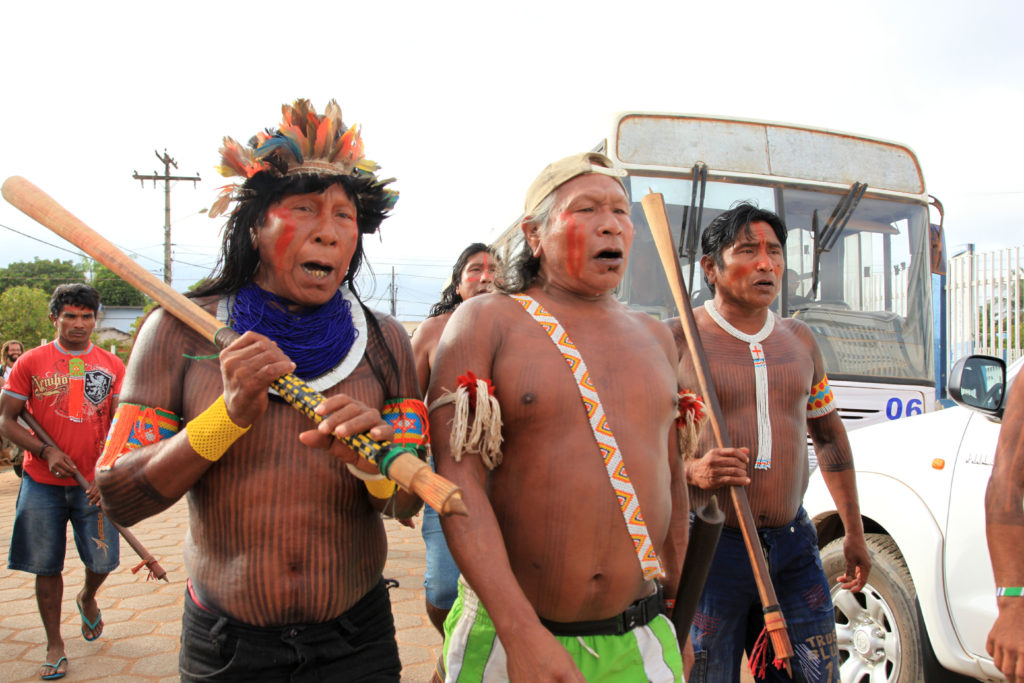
(689, 421)
(477, 422)
(810, 663)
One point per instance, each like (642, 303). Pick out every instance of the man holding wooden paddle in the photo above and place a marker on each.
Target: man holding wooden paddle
(553, 407)
(70, 387)
(773, 390)
(286, 543)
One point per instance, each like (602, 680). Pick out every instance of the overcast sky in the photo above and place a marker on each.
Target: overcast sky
(464, 103)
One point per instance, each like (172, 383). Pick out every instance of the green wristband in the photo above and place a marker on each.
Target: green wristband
(1010, 592)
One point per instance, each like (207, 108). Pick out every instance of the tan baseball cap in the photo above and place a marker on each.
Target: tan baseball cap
(562, 171)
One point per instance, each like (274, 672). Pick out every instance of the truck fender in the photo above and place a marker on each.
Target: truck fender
(914, 529)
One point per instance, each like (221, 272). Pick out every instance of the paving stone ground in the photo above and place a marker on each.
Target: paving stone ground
(143, 619)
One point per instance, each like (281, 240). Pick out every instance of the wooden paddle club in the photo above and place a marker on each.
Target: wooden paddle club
(396, 462)
(654, 208)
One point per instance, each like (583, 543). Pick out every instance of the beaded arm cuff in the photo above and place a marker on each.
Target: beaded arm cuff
(135, 426)
(212, 432)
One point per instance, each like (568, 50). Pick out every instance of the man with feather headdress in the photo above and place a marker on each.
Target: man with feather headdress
(286, 543)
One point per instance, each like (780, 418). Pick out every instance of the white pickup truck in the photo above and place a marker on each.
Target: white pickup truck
(930, 598)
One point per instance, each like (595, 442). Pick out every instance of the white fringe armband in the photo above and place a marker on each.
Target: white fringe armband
(477, 422)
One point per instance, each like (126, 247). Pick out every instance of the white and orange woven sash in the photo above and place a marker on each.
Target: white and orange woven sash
(614, 466)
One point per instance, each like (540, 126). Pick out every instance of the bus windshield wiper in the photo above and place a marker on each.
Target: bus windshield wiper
(688, 233)
(827, 236)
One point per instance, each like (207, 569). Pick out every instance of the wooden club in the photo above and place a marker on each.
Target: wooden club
(654, 208)
(395, 461)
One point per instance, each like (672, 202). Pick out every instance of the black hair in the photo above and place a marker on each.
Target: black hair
(450, 297)
(75, 294)
(721, 233)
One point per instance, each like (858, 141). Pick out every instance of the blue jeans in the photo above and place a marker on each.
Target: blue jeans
(40, 533)
(357, 646)
(441, 579)
(729, 616)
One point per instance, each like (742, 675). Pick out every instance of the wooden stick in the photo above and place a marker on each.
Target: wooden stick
(700, 551)
(147, 559)
(394, 460)
(657, 218)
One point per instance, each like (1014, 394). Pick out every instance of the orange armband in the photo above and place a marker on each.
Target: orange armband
(135, 426)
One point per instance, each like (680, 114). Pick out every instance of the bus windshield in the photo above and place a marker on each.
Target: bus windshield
(870, 305)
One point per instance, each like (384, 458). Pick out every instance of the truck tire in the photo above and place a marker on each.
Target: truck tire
(877, 630)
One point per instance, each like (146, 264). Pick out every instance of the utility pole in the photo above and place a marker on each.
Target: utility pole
(394, 293)
(167, 161)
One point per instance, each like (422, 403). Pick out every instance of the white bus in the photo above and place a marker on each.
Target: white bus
(859, 252)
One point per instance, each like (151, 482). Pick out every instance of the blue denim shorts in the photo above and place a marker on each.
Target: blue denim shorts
(39, 537)
(441, 579)
(729, 617)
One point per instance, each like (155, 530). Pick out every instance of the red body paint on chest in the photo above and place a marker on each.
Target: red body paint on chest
(287, 232)
(574, 246)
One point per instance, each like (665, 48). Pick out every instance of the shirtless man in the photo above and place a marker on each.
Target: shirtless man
(1004, 526)
(772, 387)
(285, 546)
(472, 274)
(553, 587)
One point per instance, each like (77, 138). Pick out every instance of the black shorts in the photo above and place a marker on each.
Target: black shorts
(357, 646)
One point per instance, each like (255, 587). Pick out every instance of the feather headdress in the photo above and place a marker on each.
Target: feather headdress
(304, 142)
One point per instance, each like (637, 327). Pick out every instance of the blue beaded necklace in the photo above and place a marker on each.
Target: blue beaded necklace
(315, 339)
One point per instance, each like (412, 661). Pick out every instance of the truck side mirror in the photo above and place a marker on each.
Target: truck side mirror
(978, 383)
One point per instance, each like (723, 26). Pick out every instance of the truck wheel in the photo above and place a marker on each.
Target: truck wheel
(877, 630)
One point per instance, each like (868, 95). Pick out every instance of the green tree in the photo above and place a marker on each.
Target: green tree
(25, 315)
(113, 290)
(41, 274)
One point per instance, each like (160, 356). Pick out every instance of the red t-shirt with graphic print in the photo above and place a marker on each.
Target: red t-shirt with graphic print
(73, 401)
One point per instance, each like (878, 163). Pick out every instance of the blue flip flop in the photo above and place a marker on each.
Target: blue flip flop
(56, 674)
(86, 624)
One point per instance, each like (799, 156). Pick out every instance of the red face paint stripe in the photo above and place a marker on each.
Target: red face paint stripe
(574, 245)
(287, 233)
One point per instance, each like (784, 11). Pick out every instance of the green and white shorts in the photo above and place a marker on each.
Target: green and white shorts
(473, 653)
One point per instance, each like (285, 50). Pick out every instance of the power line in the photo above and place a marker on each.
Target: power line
(130, 252)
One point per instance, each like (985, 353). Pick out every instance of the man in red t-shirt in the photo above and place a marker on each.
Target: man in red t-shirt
(70, 387)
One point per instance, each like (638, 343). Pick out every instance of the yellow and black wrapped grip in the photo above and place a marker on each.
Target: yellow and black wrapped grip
(396, 462)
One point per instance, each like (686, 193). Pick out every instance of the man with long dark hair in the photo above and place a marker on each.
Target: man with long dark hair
(286, 544)
(472, 274)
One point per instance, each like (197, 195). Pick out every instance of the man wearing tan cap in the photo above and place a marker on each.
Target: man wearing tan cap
(562, 437)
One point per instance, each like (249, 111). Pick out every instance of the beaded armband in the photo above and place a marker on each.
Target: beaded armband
(211, 432)
(135, 426)
(821, 401)
(408, 417)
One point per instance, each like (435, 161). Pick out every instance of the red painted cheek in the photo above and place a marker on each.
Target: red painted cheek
(573, 245)
(287, 232)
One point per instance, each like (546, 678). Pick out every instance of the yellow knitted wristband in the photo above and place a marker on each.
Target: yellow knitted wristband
(212, 432)
(380, 488)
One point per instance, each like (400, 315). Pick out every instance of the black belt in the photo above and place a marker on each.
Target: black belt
(640, 613)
